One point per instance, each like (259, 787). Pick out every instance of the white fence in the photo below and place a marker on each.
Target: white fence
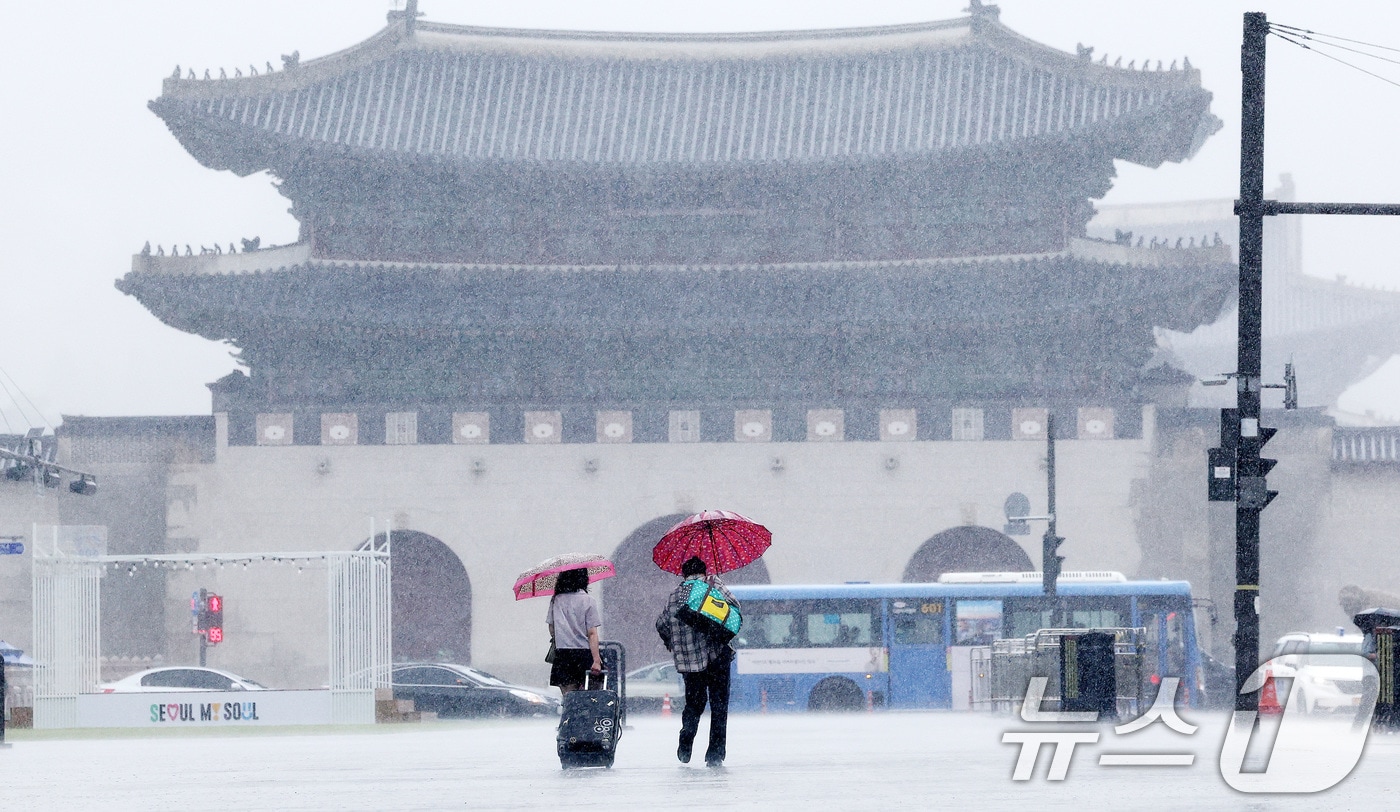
(70, 561)
(358, 604)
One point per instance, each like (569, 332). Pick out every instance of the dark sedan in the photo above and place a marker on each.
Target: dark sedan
(457, 691)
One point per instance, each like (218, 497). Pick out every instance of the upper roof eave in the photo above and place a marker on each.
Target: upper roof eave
(671, 47)
(282, 259)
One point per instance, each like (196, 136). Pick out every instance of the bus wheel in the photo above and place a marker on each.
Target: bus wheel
(835, 694)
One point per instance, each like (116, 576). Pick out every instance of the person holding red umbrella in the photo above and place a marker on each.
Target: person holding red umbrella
(703, 662)
(699, 548)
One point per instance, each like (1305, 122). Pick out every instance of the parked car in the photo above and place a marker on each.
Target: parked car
(459, 691)
(1325, 680)
(648, 685)
(177, 678)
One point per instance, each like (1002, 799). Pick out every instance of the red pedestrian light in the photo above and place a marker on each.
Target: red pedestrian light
(209, 619)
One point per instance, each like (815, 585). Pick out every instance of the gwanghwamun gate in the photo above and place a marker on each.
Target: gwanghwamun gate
(554, 290)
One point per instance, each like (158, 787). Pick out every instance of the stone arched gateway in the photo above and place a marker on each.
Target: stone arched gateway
(632, 599)
(432, 600)
(966, 549)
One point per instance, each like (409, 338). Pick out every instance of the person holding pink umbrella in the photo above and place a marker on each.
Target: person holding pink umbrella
(574, 622)
(573, 617)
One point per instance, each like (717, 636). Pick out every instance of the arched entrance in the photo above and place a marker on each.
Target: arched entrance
(632, 599)
(432, 600)
(966, 549)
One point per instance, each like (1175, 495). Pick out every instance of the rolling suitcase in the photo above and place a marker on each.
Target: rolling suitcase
(590, 726)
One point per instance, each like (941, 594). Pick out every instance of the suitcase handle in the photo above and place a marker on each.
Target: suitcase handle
(589, 674)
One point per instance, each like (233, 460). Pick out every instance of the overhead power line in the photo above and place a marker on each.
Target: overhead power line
(42, 421)
(1302, 31)
(1339, 47)
(1338, 60)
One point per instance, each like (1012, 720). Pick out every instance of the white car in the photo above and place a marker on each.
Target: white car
(175, 679)
(648, 685)
(1325, 678)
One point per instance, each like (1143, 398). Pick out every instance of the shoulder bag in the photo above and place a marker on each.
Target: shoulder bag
(549, 655)
(707, 611)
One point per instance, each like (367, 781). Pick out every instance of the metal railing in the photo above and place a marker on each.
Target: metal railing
(1001, 671)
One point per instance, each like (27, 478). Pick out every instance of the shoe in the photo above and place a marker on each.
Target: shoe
(714, 762)
(683, 753)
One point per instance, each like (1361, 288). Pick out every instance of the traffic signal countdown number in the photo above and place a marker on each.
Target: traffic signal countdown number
(209, 617)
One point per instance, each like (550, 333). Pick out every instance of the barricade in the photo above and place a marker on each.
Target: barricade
(1014, 661)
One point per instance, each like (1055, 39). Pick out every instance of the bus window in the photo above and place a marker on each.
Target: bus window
(808, 624)
(918, 630)
(769, 624)
(1023, 618)
(838, 628)
(978, 622)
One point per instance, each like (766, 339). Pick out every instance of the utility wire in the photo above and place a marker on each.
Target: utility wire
(1305, 47)
(40, 412)
(18, 406)
(1299, 31)
(1340, 47)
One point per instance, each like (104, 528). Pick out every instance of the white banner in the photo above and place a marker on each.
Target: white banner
(812, 660)
(205, 709)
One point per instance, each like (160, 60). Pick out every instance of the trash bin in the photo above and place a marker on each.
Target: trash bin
(1088, 676)
(1381, 627)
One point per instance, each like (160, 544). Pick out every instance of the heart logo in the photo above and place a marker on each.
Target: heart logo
(172, 711)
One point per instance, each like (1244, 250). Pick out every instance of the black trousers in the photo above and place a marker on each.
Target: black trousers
(712, 683)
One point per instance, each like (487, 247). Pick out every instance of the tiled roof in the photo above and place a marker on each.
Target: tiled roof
(225, 296)
(483, 95)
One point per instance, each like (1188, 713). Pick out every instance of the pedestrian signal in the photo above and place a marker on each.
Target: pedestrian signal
(209, 620)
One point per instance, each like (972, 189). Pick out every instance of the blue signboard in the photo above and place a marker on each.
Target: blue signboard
(12, 548)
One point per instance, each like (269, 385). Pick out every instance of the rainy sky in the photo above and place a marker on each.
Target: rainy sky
(90, 174)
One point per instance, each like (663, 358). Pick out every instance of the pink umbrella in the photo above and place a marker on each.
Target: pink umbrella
(724, 541)
(539, 580)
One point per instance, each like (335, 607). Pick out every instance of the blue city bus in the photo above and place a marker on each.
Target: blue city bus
(906, 646)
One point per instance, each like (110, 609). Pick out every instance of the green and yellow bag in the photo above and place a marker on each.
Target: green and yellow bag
(707, 611)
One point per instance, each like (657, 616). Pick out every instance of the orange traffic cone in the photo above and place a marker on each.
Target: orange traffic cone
(665, 704)
(1268, 695)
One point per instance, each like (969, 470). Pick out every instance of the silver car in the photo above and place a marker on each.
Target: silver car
(174, 679)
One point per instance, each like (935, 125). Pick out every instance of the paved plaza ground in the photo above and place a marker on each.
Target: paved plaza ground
(862, 761)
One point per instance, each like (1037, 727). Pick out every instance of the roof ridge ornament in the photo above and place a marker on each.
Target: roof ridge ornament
(409, 16)
(976, 8)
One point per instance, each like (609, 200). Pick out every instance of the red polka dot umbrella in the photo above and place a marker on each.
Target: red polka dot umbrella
(724, 541)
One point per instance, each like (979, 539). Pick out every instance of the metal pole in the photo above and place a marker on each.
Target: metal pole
(1050, 559)
(2, 700)
(1250, 209)
(203, 633)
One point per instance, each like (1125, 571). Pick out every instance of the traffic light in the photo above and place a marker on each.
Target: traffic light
(1253, 487)
(1220, 476)
(1220, 462)
(1235, 471)
(1050, 561)
(214, 606)
(209, 617)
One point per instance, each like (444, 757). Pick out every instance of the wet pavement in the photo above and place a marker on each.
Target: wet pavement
(805, 761)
